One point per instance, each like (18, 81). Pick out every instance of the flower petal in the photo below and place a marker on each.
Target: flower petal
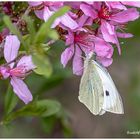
(69, 38)
(21, 90)
(67, 55)
(125, 16)
(116, 5)
(105, 61)
(102, 48)
(131, 3)
(39, 14)
(68, 22)
(124, 35)
(34, 3)
(4, 71)
(77, 62)
(11, 48)
(27, 62)
(109, 34)
(88, 10)
(46, 15)
(75, 5)
(83, 21)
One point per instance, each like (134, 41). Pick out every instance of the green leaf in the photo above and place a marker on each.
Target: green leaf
(14, 30)
(53, 35)
(42, 108)
(48, 124)
(31, 27)
(45, 30)
(10, 100)
(43, 65)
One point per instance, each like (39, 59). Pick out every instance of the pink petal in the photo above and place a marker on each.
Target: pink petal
(34, 3)
(21, 90)
(82, 20)
(68, 21)
(39, 14)
(47, 14)
(4, 71)
(131, 3)
(105, 61)
(75, 5)
(69, 38)
(97, 5)
(125, 16)
(77, 62)
(27, 62)
(11, 48)
(54, 5)
(88, 10)
(67, 55)
(116, 5)
(103, 48)
(108, 32)
(124, 35)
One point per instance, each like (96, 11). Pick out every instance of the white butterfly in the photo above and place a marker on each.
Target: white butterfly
(97, 89)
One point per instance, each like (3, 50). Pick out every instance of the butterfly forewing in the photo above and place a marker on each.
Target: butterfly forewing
(91, 91)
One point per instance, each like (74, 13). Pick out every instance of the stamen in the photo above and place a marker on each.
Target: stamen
(104, 13)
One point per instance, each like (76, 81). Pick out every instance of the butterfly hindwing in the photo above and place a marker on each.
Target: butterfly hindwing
(112, 100)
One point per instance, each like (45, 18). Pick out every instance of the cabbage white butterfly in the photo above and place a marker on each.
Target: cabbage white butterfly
(97, 90)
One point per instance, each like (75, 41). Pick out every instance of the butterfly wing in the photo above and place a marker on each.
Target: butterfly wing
(91, 91)
(112, 100)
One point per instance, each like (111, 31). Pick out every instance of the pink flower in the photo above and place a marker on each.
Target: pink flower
(18, 72)
(108, 18)
(81, 41)
(49, 8)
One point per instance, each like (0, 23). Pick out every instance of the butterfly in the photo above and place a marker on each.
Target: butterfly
(97, 90)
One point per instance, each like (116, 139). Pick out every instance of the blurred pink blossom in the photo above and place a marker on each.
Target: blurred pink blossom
(49, 8)
(18, 71)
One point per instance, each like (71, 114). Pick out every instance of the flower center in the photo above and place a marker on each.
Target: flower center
(84, 40)
(18, 71)
(104, 13)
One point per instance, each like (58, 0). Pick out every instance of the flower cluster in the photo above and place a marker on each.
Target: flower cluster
(16, 71)
(89, 26)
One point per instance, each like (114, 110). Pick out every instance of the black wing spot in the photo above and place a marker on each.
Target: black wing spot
(107, 93)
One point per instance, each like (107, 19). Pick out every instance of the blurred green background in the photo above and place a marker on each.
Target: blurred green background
(75, 120)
